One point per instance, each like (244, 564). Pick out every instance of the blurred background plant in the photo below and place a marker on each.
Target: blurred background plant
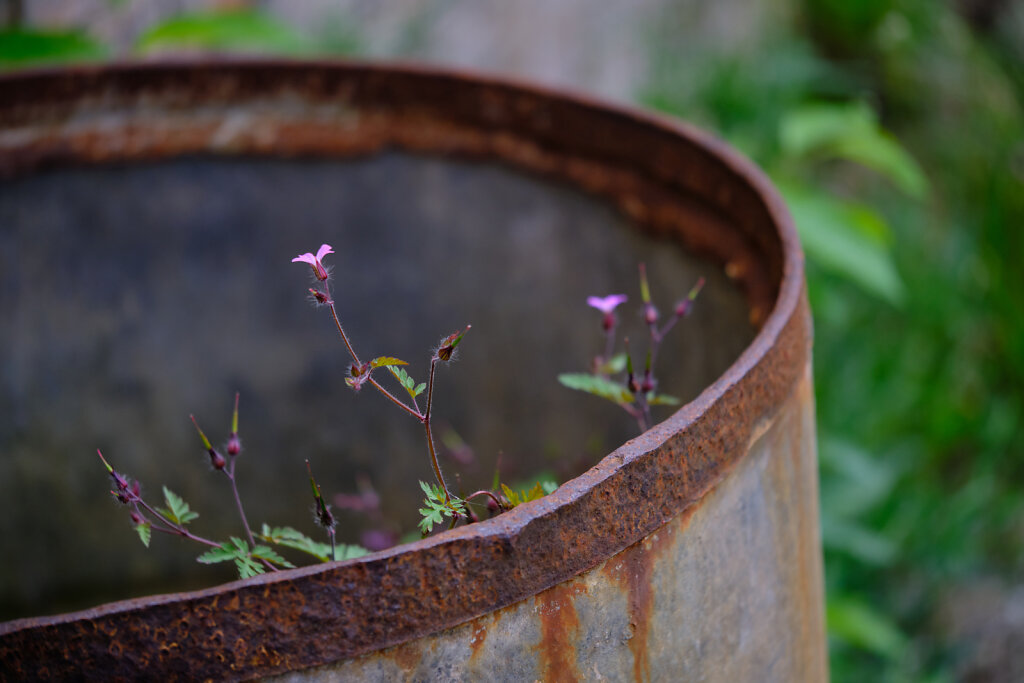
(895, 131)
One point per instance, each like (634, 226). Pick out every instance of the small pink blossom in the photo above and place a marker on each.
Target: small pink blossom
(606, 304)
(316, 262)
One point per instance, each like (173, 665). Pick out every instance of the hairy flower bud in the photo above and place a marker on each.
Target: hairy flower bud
(136, 518)
(234, 445)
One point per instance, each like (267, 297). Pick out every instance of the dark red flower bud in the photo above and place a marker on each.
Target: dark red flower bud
(647, 385)
(683, 308)
(136, 518)
(608, 322)
(492, 505)
(317, 295)
(650, 314)
(137, 489)
(217, 460)
(234, 445)
(448, 344)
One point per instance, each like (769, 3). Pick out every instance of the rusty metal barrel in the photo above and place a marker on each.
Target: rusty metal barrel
(690, 552)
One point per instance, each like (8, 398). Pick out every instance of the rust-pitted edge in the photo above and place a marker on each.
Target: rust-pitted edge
(315, 615)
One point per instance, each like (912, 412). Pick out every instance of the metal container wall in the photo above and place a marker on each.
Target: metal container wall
(689, 553)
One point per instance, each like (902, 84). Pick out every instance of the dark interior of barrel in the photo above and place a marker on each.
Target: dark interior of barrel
(135, 294)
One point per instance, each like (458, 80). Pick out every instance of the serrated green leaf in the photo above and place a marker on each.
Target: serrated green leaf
(247, 567)
(145, 532)
(214, 555)
(386, 361)
(419, 389)
(264, 553)
(549, 486)
(406, 381)
(292, 538)
(511, 496)
(177, 510)
(598, 386)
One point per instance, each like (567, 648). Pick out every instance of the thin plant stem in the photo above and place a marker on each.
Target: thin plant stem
(355, 359)
(334, 552)
(430, 436)
(241, 512)
(176, 529)
(609, 345)
(489, 494)
(238, 502)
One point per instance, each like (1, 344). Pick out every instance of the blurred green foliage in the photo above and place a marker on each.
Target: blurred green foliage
(915, 280)
(22, 47)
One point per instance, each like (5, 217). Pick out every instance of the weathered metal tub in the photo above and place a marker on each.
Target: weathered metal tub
(689, 553)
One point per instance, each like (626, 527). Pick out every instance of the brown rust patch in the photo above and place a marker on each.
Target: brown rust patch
(477, 640)
(633, 569)
(408, 655)
(559, 629)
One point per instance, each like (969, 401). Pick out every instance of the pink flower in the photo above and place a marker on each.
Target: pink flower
(606, 304)
(319, 272)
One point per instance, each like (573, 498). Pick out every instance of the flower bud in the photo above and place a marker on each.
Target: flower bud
(217, 460)
(137, 489)
(136, 518)
(318, 296)
(234, 445)
(683, 308)
(608, 322)
(650, 314)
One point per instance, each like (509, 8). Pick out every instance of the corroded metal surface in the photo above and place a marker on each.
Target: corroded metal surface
(671, 180)
(726, 591)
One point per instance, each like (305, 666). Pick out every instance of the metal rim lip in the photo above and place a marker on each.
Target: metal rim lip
(502, 555)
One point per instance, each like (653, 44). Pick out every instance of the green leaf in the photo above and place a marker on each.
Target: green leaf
(538, 490)
(386, 361)
(615, 365)
(662, 400)
(851, 132)
(225, 30)
(177, 510)
(264, 553)
(292, 538)
(847, 238)
(437, 508)
(248, 567)
(20, 47)
(860, 625)
(222, 554)
(598, 386)
(406, 381)
(145, 532)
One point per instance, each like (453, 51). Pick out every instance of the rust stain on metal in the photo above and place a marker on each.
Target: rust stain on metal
(559, 627)
(674, 181)
(633, 570)
(476, 642)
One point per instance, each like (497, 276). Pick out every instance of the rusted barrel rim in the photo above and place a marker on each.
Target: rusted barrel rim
(314, 615)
